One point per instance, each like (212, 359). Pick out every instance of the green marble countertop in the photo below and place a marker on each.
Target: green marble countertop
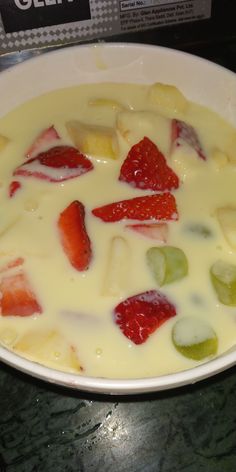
(48, 428)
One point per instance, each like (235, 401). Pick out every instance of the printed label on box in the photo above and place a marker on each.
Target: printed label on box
(27, 24)
(138, 14)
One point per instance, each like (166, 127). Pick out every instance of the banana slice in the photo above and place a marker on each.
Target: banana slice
(95, 141)
(49, 348)
(117, 273)
(167, 99)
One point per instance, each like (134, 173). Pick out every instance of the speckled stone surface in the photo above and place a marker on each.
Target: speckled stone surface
(44, 428)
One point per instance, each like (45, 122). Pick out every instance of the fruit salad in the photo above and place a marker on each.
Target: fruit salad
(117, 231)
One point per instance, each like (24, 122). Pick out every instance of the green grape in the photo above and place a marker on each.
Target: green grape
(167, 264)
(194, 338)
(223, 278)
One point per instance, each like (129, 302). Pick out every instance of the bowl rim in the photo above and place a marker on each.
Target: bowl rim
(116, 386)
(67, 49)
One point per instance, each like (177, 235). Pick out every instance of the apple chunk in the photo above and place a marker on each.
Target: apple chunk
(167, 98)
(50, 348)
(93, 140)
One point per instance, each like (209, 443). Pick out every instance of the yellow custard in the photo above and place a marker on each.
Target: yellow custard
(76, 330)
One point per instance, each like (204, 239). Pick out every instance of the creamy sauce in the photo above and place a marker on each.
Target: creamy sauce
(73, 303)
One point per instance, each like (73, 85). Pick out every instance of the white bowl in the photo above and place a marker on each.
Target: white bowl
(200, 80)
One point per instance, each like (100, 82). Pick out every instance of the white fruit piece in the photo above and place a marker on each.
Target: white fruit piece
(49, 348)
(104, 102)
(167, 99)
(3, 142)
(95, 141)
(134, 125)
(117, 272)
(227, 220)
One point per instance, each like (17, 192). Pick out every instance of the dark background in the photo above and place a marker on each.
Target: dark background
(15, 19)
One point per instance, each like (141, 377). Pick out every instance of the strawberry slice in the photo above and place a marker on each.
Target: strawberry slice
(74, 237)
(17, 296)
(141, 315)
(145, 167)
(161, 206)
(56, 165)
(182, 133)
(13, 187)
(45, 138)
(157, 231)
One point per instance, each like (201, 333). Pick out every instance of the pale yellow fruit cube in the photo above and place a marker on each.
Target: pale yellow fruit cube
(117, 271)
(134, 125)
(49, 348)
(167, 98)
(95, 141)
(227, 220)
(3, 142)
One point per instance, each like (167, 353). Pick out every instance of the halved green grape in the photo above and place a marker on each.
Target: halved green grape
(194, 338)
(223, 278)
(167, 264)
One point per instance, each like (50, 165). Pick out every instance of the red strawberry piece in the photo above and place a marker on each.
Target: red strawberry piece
(56, 165)
(12, 264)
(161, 206)
(141, 315)
(184, 133)
(44, 139)
(157, 231)
(74, 237)
(145, 167)
(17, 296)
(13, 187)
